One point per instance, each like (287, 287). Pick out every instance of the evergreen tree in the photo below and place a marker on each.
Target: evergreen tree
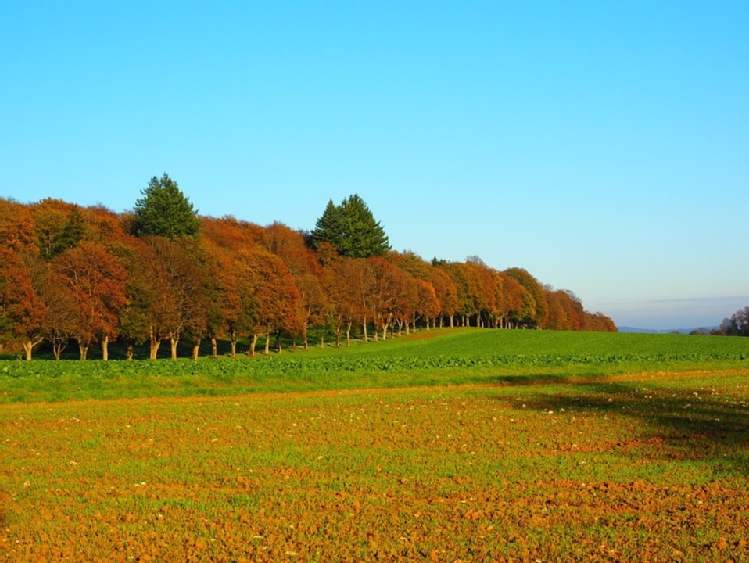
(351, 228)
(165, 211)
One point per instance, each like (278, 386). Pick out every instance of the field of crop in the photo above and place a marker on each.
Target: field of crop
(438, 357)
(563, 460)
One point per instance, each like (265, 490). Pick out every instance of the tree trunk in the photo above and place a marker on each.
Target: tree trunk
(322, 341)
(195, 350)
(364, 328)
(348, 334)
(233, 338)
(130, 352)
(386, 325)
(58, 345)
(28, 346)
(253, 343)
(267, 343)
(338, 338)
(105, 348)
(155, 343)
(214, 348)
(154, 348)
(173, 341)
(452, 325)
(83, 349)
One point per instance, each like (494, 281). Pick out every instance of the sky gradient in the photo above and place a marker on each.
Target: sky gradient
(600, 145)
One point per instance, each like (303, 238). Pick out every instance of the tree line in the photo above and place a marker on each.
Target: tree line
(162, 274)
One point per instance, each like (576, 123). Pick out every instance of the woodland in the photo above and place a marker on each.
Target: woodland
(162, 274)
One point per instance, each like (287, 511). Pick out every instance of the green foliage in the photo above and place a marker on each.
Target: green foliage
(56, 230)
(351, 228)
(164, 211)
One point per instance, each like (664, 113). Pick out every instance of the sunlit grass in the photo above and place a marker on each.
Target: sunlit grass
(654, 466)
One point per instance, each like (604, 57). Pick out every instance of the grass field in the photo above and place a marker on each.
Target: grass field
(594, 447)
(438, 357)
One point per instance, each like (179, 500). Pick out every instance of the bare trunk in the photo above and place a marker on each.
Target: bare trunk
(253, 343)
(83, 350)
(105, 348)
(267, 343)
(130, 352)
(28, 346)
(386, 325)
(452, 325)
(154, 348)
(338, 338)
(233, 339)
(364, 328)
(57, 348)
(348, 334)
(195, 350)
(173, 341)
(322, 341)
(155, 343)
(214, 348)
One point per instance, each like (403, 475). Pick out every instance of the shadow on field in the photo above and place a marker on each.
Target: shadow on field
(697, 423)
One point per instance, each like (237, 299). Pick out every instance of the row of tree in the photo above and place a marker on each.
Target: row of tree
(162, 274)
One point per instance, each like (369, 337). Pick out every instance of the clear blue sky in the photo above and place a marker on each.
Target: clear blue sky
(603, 146)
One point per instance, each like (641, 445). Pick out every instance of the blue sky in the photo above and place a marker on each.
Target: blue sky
(600, 145)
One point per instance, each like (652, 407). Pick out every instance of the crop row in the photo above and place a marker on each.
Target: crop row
(341, 364)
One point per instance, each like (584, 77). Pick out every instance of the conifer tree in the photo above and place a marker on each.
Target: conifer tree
(351, 228)
(165, 211)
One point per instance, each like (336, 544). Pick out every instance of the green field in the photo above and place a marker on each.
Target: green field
(450, 445)
(438, 357)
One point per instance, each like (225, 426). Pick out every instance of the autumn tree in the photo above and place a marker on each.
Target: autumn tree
(475, 290)
(512, 301)
(97, 282)
(179, 271)
(21, 308)
(58, 227)
(306, 270)
(352, 229)
(446, 293)
(275, 303)
(164, 211)
(344, 281)
(17, 227)
(62, 320)
(537, 313)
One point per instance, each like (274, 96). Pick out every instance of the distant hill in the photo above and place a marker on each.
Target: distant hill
(660, 331)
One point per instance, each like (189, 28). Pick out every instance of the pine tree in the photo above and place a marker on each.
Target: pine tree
(165, 211)
(351, 228)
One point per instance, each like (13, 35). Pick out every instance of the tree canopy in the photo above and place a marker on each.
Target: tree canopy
(352, 229)
(80, 274)
(164, 211)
